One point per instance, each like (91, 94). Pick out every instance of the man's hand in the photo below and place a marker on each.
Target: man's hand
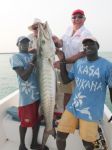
(34, 58)
(57, 64)
(33, 51)
(60, 55)
(58, 42)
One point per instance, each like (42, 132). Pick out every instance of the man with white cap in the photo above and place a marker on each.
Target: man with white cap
(92, 75)
(23, 63)
(33, 36)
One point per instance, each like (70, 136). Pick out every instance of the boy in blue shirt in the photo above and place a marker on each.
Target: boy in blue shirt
(92, 75)
(24, 65)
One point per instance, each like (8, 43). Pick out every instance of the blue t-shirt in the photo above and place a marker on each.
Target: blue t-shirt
(28, 90)
(92, 78)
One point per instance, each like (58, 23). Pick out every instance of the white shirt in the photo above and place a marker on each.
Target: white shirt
(73, 44)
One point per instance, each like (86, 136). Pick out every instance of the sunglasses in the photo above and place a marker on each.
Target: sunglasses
(79, 17)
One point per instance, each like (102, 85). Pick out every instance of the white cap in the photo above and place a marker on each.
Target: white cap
(35, 21)
(22, 38)
(90, 38)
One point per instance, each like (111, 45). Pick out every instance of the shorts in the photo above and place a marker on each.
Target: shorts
(63, 88)
(68, 123)
(29, 114)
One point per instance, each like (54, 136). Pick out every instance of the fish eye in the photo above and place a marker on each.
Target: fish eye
(43, 42)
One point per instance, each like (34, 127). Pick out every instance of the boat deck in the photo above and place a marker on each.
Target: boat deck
(11, 142)
(8, 145)
(9, 129)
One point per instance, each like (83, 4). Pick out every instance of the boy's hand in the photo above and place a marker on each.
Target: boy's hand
(34, 58)
(33, 51)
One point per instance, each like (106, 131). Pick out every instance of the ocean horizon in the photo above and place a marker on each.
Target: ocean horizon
(8, 78)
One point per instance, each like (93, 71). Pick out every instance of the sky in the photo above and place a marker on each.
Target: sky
(17, 15)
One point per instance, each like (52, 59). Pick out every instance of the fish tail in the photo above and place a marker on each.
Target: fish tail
(46, 135)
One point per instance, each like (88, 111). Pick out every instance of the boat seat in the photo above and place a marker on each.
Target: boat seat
(13, 111)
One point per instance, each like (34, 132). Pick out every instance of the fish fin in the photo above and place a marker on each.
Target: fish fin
(50, 61)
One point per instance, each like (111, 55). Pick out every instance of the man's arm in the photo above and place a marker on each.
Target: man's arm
(58, 42)
(75, 57)
(63, 70)
(110, 90)
(64, 73)
(69, 60)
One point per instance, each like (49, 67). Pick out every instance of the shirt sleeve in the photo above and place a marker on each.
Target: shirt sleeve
(16, 61)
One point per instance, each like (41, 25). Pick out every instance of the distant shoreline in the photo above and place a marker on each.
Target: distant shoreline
(16, 52)
(9, 53)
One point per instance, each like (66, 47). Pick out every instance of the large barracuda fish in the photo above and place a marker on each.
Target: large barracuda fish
(47, 78)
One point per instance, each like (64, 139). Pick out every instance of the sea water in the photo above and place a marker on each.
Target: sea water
(8, 79)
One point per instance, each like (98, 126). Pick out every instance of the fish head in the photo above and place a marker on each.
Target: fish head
(45, 42)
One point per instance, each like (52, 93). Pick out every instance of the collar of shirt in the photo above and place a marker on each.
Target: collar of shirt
(78, 32)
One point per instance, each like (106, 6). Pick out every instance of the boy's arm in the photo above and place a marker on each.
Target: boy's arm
(25, 73)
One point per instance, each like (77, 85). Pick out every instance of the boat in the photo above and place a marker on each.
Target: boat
(9, 129)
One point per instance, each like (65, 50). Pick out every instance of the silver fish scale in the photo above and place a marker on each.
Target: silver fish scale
(47, 78)
(47, 90)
